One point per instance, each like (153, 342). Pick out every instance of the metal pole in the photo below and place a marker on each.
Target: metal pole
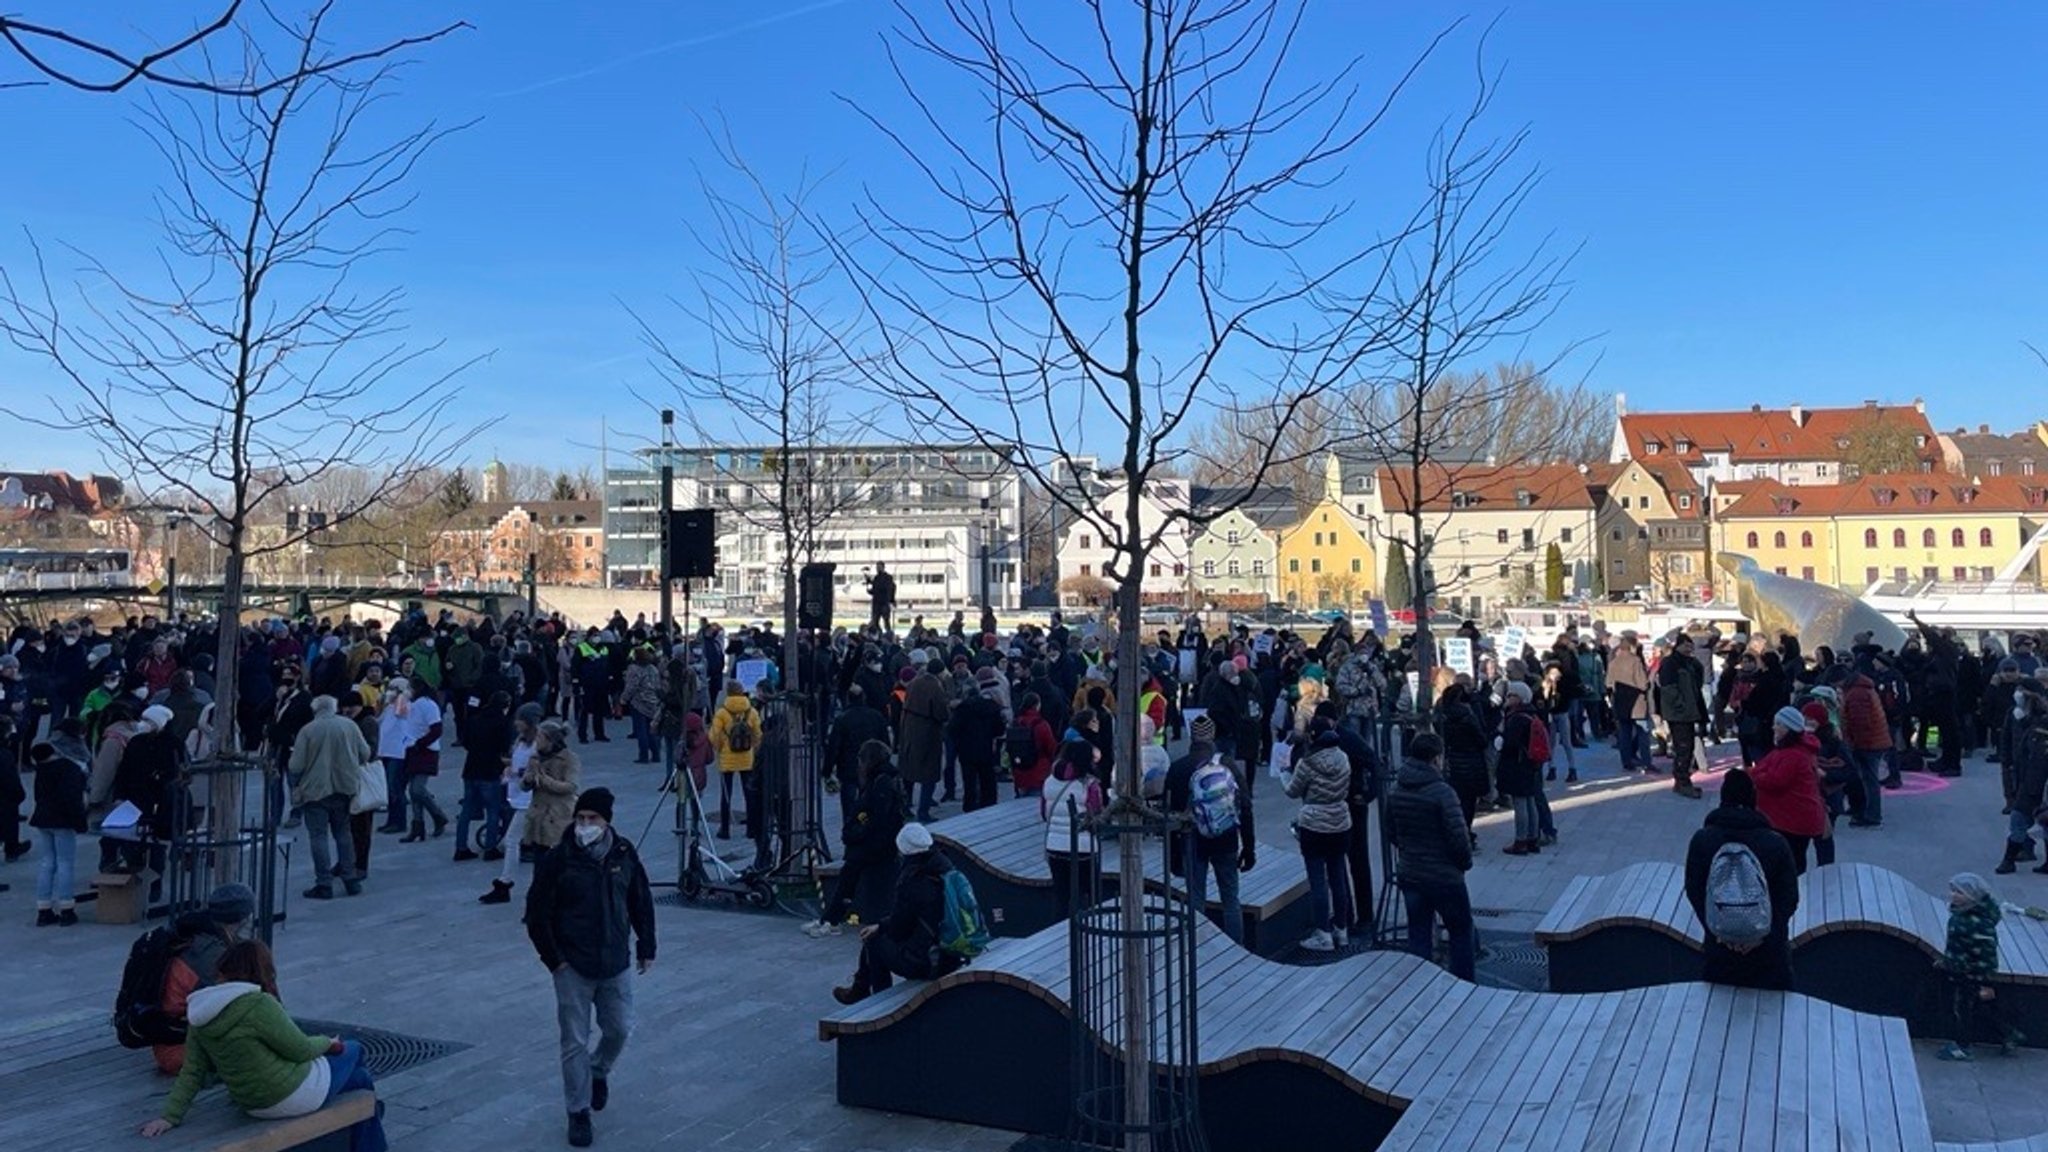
(532, 586)
(668, 503)
(171, 588)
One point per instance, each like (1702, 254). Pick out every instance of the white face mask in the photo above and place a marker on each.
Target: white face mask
(587, 834)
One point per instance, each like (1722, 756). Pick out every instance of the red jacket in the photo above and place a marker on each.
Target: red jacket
(1031, 777)
(1788, 787)
(1864, 724)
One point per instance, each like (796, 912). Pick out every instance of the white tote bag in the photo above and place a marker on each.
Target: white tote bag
(371, 793)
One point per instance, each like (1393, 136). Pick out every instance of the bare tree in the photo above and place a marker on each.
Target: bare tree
(57, 55)
(1464, 289)
(1143, 236)
(774, 369)
(257, 366)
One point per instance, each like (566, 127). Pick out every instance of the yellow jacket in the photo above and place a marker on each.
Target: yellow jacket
(731, 712)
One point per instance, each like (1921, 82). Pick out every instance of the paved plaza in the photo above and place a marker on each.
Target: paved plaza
(725, 1055)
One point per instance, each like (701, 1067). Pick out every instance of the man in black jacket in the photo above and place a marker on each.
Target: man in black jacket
(852, 728)
(589, 894)
(905, 943)
(976, 731)
(870, 833)
(1736, 821)
(1427, 825)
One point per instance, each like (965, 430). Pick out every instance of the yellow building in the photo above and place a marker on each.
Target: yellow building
(1906, 527)
(1327, 560)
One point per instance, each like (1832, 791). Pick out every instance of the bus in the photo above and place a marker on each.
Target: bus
(61, 568)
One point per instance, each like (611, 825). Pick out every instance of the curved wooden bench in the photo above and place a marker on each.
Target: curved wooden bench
(2017, 1144)
(1383, 1050)
(1001, 848)
(1863, 937)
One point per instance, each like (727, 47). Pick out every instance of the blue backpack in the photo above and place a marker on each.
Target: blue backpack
(963, 933)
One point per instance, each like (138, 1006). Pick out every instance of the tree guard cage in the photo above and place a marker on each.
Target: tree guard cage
(1390, 919)
(790, 829)
(224, 829)
(1101, 942)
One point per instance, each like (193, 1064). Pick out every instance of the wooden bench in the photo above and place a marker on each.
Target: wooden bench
(1383, 1050)
(1863, 937)
(93, 1094)
(2017, 1144)
(1001, 848)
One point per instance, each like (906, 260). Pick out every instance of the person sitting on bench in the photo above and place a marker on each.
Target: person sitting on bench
(241, 1036)
(906, 942)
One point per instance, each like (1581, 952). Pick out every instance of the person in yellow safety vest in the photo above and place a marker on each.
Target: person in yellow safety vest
(1152, 705)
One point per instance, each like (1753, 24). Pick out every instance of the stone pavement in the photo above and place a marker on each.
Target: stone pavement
(725, 1054)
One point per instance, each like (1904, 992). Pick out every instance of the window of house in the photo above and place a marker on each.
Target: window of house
(1806, 573)
(1564, 535)
(1319, 539)
(1529, 570)
(1503, 571)
(1777, 539)
(1180, 569)
(1870, 537)
(1755, 540)
(1085, 570)
(1157, 570)
(1235, 568)
(2026, 467)
(1684, 503)
(1869, 576)
(1806, 539)
(1528, 537)
(1087, 541)
(1780, 571)
(1681, 565)
(1684, 446)
(1357, 565)
(1899, 573)
(1464, 571)
(1898, 537)
(1919, 441)
(1821, 470)
(1962, 573)
(1995, 467)
(1955, 538)
(1294, 565)
(1230, 538)
(1500, 536)
(1927, 537)
(1209, 568)
(1983, 537)
(1614, 535)
(1258, 567)
(1651, 448)
(1315, 564)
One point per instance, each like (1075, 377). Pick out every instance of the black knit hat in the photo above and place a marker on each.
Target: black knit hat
(597, 801)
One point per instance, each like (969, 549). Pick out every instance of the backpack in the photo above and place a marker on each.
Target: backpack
(1738, 899)
(963, 933)
(139, 1017)
(1539, 741)
(739, 735)
(1022, 742)
(1212, 799)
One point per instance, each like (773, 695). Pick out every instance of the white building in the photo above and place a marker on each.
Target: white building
(947, 521)
(1088, 546)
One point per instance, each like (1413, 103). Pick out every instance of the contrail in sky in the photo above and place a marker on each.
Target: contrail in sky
(676, 46)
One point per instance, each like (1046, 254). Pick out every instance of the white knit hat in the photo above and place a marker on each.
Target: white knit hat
(913, 840)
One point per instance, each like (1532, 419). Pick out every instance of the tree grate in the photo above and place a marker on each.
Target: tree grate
(385, 1053)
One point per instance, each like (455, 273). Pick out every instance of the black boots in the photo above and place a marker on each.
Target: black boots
(418, 832)
(500, 893)
(2010, 863)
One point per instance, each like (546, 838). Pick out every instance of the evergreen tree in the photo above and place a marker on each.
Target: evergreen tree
(1399, 590)
(456, 494)
(565, 488)
(1553, 573)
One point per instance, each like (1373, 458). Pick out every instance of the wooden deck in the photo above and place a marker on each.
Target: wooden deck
(1382, 1050)
(1002, 849)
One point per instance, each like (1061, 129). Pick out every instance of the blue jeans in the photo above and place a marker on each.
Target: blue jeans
(1451, 903)
(645, 745)
(924, 802)
(394, 786)
(2018, 825)
(1544, 823)
(1870, 766)
(1561, 738)
(347, 1073)
(485, 800)
(1329, 879)
(1225, 867)
(54, 878)
(1632, 742)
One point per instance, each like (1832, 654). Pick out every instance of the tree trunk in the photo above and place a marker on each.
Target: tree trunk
(1136, 975)
(224, 802)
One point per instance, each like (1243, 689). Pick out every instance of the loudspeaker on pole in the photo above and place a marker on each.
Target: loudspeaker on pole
(693, 544)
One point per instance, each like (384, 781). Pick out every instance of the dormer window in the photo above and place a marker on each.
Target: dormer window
(1460, 500)
(2033, 495)
(1919, 441)
(1883, 496)
(1785, 505)
(1684, 446)
(1965, 495)
(1652, 447)
(1684, 503)
(1994, 467)
(1842, 442)
(1523, 499)
(1923, 496)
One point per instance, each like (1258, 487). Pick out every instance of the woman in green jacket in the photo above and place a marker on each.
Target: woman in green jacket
(240, 1035)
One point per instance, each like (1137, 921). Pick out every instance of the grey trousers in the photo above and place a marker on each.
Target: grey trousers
(575, 997)
(334, 850)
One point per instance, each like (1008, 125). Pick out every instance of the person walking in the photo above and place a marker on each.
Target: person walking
(326, 758)
(1743, 886)
(1321, 780)
(486, 742)
(1787, 780)
(590, 899)
(1068, 806)
(1628, 687)
(391, 742)
(641, 698)
(1426, 822)
(1868, 732)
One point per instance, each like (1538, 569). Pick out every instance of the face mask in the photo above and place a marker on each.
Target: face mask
(588, 834)
(70, 639)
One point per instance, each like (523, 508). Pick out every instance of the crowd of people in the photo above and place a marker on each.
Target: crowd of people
(355, 718)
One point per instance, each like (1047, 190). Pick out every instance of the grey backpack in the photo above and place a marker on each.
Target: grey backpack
(1738, 898)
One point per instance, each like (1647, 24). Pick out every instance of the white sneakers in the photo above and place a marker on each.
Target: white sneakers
(1318, 941)
(818, 929)
(1343, 938)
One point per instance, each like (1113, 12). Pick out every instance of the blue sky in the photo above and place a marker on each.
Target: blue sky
(1818, 202)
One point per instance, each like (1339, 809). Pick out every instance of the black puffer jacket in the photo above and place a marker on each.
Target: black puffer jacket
(913, 922)
(1769, 965)
(1428, 828)
(581, 909)
(1516, 774)
(877, 816)
(1464, 738)
(855, 725)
